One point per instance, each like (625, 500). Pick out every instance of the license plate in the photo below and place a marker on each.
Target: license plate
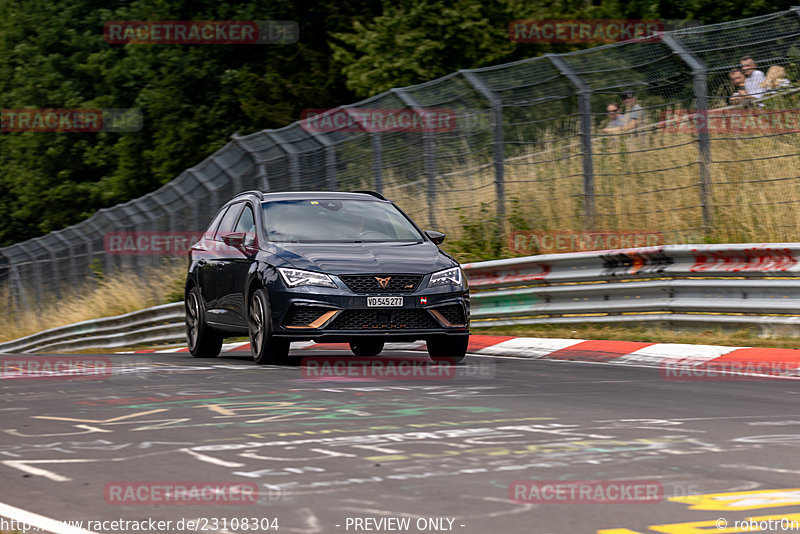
(385, 302)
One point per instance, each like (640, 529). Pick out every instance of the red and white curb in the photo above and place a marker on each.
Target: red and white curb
(745, 360)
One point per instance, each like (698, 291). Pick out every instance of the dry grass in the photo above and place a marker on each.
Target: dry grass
(122, 292)
(646, 182)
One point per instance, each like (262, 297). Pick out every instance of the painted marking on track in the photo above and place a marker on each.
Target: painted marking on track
(120, 418)
(211, 459)
(742, 500)
(528, 348)
(24, 465)
(39, 521)
(762, 468)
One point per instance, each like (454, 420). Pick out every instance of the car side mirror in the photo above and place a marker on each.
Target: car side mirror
(436, 237)
(234, 239)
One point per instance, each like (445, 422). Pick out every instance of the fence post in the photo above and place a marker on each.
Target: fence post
(585, 112)
(428, 154)
(330, 158)
(498, 146)
(236, 138)
(90, 250)
(73, 268)
(703, 139)
(377, 161)
(198, 223)
(291, 151)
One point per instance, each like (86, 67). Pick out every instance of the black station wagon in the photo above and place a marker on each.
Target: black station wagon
(327, 267)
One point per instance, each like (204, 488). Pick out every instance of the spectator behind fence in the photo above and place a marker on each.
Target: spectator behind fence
(776, 79)
(632, 118)
(740, 96)
(614, 122)
(753, 77)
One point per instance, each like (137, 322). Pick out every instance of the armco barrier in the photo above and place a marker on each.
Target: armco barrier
(740, 286)
(160, 324)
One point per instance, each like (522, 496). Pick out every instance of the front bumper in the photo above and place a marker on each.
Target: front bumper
(328, 314)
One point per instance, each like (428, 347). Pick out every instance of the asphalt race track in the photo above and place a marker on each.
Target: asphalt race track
(427, 454)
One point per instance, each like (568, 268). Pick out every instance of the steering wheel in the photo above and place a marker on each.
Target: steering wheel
(366, 233)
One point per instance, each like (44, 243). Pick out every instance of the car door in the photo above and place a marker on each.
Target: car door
(235, 266)
(202, 257)
(212, 272)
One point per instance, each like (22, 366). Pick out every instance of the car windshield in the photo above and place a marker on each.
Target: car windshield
(335, 220)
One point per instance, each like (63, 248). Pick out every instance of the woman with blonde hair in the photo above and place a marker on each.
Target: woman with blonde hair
(775, 79)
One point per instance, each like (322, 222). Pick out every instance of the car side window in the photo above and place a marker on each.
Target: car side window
(212, 228)
(228, 221)
(247, 224)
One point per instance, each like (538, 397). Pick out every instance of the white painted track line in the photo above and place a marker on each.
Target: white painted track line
(39, 522)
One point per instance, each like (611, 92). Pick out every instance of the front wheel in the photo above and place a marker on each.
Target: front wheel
(366, 347)
(264, 347)
(448, 348)
(203, 341)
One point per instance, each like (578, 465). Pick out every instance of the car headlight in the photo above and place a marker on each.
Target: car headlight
(298, 277)
(452, 276)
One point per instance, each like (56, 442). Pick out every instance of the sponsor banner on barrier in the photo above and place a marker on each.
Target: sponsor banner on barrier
(383, 120)
(76, 120)
(560, 241)
(586, 491)
(584, 31)
(727, 121)
(55, 368)
(165, 493)
(201, 32)
(759, 259)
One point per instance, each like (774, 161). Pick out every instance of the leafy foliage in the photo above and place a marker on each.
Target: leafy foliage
(193, 97)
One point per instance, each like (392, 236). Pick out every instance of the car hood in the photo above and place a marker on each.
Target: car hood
(355, 258)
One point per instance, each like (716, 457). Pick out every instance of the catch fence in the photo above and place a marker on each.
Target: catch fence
(527, 150)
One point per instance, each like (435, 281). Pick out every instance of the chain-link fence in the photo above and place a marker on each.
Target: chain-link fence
(531, 147)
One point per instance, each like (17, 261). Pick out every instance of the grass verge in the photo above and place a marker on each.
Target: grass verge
(113, 294)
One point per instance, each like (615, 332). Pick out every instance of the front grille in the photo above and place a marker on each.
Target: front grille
(454, 313)
(303, 315)
(369, 283)
(383, 320)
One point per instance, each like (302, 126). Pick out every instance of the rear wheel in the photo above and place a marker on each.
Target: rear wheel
(203, 341)
(264, 347)
(448, 348)
(366, 347)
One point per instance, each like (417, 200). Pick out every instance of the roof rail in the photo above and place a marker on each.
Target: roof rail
(255, 192)
(373, 193)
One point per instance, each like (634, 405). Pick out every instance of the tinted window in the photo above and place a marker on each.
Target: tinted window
(212, 228)
(229, 220)
(247, 224)
(336, 220)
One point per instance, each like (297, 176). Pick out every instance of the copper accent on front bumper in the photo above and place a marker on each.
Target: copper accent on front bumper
(319, 321)
(442, 319)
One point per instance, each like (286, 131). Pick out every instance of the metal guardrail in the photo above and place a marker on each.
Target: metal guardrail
(739, 286)
(160, 324)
